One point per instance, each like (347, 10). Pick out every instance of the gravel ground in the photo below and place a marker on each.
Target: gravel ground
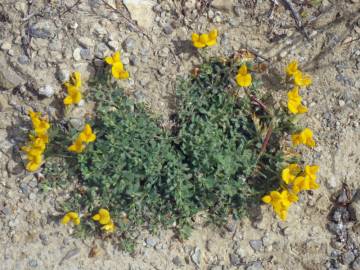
(41, 42)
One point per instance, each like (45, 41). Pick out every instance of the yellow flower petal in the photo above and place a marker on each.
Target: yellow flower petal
(96, 217)
(266, 199)
(65, 220)
(244, 80)
(292, 68)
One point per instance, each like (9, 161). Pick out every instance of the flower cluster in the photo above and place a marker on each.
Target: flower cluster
(205, 40)
(295, 179)
(117, 67)
(243, 78)
(71, 216)
(86, 136)
(104, 218)
(38, 140)
(73, 87)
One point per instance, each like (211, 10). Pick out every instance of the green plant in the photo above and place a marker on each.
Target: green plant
(222, 153)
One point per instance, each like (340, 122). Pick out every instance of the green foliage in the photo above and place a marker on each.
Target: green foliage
(211, 161)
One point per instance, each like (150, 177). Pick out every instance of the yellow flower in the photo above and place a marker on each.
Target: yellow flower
(280, 202)
(110, 227)
(294, 102)
(34, 161)
(292, 68)
(206, 39)
(304, 183)
(310, 171)
(73, 89)
(71, 216)
(302, 80)
(77, 146)
(87, 135)
(119, 72)
(103, 216)
(289, 174)
(243, 78)
(304, 137)
(40, 125)
(115, 58)
(74, 95)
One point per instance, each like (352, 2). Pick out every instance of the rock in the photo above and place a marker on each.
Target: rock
(238, 11)
(23, 59)
(224, 5)
(77, 54)
(43, 30)
(129, 44)
(8, 77)
(234, 259)
(46, 91)
(256, 245)
(70, 254)
(33, 263)
(32, 196)
(102, 50)
(196, 256)
(3, 103)
(44, 239)
(168, 29)
(86, 42)
(86, 54)
(164, 52)
(356, 264)
(177, 261)
(255, 266)
(347, 257)
(114, 45)
(331, 182)
(150, 242)
(62, 75)
(14, 167)
(141, 11)
(5, 46)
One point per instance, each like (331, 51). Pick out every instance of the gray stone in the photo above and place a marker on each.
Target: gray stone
(168, 29)
(347, 257)
(33, 263)
(356, 264)
(55, 45)
(46, 91)
(76, 54)
(43, 30)
(62, 75)
(23, 59)
(150, 242)
(86, 54)
(141, 11)
(6, 211)
(114, 45)
(24, 188)
(44, 239)
(86, 42)
(256, 245)
(8, 77)
(133, 60)
(164, 52)
(102, 50)
(129, 44)
(196, 256)
(222, 5)
(234, 259)
(32, 196)
(3, 103)
(255, 266)
(6, 46)
(177, 261)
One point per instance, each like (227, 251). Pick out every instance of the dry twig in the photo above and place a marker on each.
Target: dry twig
(289, 5)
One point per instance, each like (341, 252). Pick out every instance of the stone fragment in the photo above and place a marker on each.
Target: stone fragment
(224, 5)
(141, 11)
(8, 77)
(46, 91)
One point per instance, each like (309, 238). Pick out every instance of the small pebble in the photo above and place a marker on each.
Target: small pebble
(150, 242)
(256, 245)
(33, 263)
(46, 91)
(76, 54)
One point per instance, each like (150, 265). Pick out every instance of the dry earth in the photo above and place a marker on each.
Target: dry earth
(42, 41)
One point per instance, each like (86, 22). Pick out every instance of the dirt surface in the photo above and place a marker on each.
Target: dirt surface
(41, 42)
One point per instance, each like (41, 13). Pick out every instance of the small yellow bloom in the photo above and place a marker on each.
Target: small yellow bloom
(302, 80)
(243, 78)
(40, 125)
(294, 102)
(34, 162)
(204, 40)
(87, 135)
(74, 96)
(115, 58)
(310, 171)
(292, 68)
(304, 137)
(289, 173)
(280, 202)
(103, 216)
(110, 227)
(71, 216)
(77, 147)
(75, 80)
(304, 183)
(119, 72)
